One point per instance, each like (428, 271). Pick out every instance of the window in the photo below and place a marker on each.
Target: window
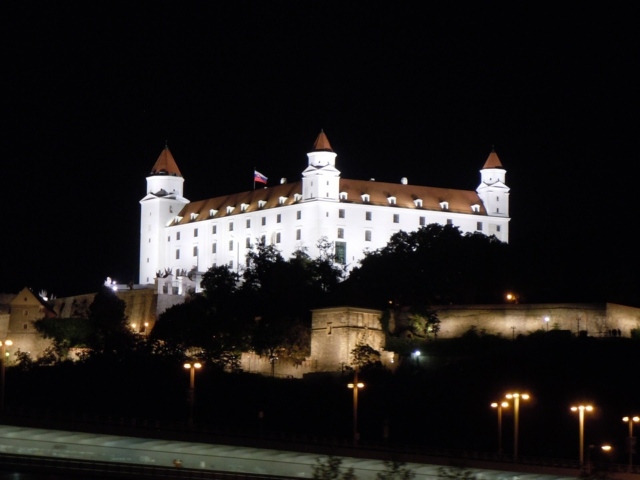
(392, 200)
(278, 237)
(279, 218)
(298, 214)
(423, 221)
(367, 235)
(367, 216)
(230, 210)
(264, 221)
(177, 254)
(341, 252)
(475, 208)
(365, 197)
(195, 251)
(263, 240)
(396, 218)
(230, 245)
(169, 238)
(418, 202)
(231, 226)
(231, 264)
(195, 232)
(214, 248)
(479, 226)
(261, 203)
(248, 223)
(497, 210)
(178, 236)
(444, 205)
(281, 200)
(341, 213)
(214, 229)
(25, 326)
(449, 221)
(343, 195)
(213, 212)
(194, 216)
(247, 243)
(497, 228)
(244, 207)
(298, 234)
(341, 233)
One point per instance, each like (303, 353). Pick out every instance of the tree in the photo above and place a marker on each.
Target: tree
(109, 331)
(329, 469)
(364, 355)
(435, 264)
(395, 470)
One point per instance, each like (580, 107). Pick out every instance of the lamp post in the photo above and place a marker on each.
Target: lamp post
(356, 385)
(500, 406)
(516, 418)
(3, 358)
(631, 446)
(546, 322)
(417, 355)
(581, 409)
(604, 448)
(192, 367)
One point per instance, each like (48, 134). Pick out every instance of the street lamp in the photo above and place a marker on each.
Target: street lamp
(417, 355)
(192, 367)
(3, 358)
(500, 406)
(516, 417)
(631, 445)
(546, 322)
(604, 448)
(581, 409)
(356, 385)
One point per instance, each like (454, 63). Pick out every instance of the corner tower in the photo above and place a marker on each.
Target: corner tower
(163, 203)
(492, 190)
(321, 179)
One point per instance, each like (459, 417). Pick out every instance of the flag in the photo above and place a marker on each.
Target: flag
(258, 177)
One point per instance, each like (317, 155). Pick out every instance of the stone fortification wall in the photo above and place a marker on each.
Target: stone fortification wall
(521, 319)
(253, 363)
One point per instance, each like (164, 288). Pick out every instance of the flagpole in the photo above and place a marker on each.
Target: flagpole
(254, 177)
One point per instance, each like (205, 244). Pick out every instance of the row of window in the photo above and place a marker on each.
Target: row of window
(341, 214)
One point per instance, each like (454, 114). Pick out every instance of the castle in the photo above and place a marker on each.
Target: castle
(180, 239)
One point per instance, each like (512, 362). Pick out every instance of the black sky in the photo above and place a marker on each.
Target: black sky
(92, 90)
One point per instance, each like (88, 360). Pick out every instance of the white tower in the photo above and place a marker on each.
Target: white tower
(159, 207)
(321, 179)
(492, 190)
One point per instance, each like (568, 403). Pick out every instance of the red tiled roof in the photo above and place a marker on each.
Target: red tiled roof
(460, 201)
(166, 165)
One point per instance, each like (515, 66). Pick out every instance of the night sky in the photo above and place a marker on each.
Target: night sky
(423, 90)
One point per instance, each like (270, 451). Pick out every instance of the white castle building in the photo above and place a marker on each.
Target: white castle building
(355, 216)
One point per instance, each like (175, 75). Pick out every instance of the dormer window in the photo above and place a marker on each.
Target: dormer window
(243, 207)
(444, 205)
(177, 220)
(194, 216)
(261, 203)
(297, 197)
(366, 197)
(475, 208)
(418, 202)
(230, 209)
(212, 212)
(391, 200)
(343, 195)
(281, 200)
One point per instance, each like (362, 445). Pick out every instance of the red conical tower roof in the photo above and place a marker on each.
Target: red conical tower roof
(493, 161)
(166, 164)
(322, 143)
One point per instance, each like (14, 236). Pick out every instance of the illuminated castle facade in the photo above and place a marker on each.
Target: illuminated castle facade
(180, 237)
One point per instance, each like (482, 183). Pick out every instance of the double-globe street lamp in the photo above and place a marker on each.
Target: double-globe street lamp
(192, 367)
(516, 396)
(631, 446)
(499, 406)
(581, 409)
(3, 357)
(355, 386)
